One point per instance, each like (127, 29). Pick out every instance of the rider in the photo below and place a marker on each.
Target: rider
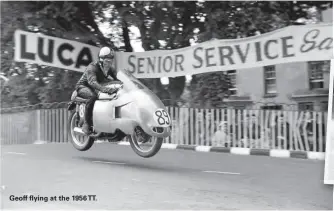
(91, 81)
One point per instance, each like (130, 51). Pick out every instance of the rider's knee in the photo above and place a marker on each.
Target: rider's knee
(94, 97)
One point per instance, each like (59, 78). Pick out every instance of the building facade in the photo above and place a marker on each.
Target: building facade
(297, 86)
(302, 85)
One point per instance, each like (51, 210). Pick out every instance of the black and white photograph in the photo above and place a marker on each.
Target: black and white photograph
(167, 105)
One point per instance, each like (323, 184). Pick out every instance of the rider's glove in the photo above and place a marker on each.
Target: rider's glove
(118, 86)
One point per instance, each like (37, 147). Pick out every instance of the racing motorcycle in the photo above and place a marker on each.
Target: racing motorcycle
(134, 113)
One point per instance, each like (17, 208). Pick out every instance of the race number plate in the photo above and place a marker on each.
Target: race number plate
(162, 117)
(81, 110)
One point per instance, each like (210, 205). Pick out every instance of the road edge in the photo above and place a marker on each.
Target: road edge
(277, 153)
(244, 151)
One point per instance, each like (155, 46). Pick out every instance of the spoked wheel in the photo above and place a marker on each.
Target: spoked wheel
(79, 140)
(143, 144)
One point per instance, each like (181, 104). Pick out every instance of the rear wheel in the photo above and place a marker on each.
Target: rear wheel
(80, 141)
(139, 140)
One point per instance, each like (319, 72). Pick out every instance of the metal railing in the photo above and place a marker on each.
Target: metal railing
(261, 129)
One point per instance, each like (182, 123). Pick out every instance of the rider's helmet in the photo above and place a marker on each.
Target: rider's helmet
(106, 52)
(106, 58)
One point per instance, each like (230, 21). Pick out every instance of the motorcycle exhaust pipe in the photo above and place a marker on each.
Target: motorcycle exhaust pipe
(78, 130)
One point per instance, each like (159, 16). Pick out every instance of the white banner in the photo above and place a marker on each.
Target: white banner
(52, 51)
(290, 44)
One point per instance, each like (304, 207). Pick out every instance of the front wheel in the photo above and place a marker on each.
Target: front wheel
(80, 141)
(154, 143)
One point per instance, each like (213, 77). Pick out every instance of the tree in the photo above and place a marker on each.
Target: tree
(237, 20)
(163, 25)
(68, 20)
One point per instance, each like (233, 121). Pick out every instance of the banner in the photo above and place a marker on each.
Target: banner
(289, 44)
(52, 51)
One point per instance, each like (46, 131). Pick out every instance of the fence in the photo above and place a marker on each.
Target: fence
(262, 129)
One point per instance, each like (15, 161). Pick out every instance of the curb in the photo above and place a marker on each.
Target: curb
(277, 153)
(246, 151)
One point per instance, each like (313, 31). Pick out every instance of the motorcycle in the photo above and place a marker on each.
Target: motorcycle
(134, 113)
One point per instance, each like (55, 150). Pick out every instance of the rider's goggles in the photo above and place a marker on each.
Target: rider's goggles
(108, 61)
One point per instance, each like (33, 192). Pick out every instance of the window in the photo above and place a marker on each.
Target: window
(272, 107)
(270, 80)
(316, 73)
(232, 75)
(305, 106)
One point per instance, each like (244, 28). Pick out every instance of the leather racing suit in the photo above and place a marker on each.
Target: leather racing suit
(88, 86)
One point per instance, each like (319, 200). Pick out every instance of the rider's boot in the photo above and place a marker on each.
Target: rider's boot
(87, 126)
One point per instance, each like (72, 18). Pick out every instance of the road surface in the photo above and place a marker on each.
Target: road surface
(173, 179)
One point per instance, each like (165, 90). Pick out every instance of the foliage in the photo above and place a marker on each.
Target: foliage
(233, 19)
(30, 83)
(162, 24)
